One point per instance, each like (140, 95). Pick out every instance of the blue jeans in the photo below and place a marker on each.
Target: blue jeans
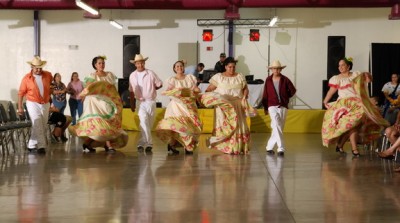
(60, 105)
(73, 106)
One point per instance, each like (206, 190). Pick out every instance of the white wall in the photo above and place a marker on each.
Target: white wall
(299, 41)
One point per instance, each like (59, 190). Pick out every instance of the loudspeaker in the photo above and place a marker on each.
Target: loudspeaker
(325, 89)
(130, 47)
(249, 77)
(207, 75)
(123, 90)
(336, 51)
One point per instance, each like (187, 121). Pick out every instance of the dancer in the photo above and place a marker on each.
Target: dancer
(143, 86)
(278, 90)
(228, 93)
(181, 125)
(101, 121)
(352, 116)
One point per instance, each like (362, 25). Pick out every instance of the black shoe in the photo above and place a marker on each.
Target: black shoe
(63, 138)
(187, 152)
(90, 149)
(340, 150)
(357, 154)
(41, 151)
(140, 148)
(172, 149)
(148, 148)
(31, 150)
(270, 152)
(109, 149)
(281, 153)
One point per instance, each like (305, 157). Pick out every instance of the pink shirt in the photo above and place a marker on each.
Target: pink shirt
(146, 91)
(76, 87)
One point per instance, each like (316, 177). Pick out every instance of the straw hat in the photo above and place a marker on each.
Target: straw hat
(37, 62)
(138, 57)
(276, 64)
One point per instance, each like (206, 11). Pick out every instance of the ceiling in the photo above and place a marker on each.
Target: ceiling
(190, 4)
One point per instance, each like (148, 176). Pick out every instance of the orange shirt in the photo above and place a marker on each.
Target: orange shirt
(30, 89)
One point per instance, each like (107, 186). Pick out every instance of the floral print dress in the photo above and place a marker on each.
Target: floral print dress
(353, 109)
(181, 121)
(102, 112)
(231, 133)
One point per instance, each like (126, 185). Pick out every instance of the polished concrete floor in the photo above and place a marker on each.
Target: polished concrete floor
(309, 184)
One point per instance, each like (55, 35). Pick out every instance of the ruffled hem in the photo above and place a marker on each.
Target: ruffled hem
(184, 130)
(231, 134)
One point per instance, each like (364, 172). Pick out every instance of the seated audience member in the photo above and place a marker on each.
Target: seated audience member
(200, 68)
(393, 132)
(61, 123)
(199, 72)
(391, 91)
(219, 65)
(391, 151)
(392, 111)
(189, 69)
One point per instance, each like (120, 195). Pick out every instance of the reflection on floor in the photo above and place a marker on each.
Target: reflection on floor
(309, 184)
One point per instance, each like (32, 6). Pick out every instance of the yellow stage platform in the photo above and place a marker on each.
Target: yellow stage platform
(297, 121)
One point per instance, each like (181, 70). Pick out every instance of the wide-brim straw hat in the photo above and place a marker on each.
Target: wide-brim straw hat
(37, 62)
(276, 64)
(138, 57)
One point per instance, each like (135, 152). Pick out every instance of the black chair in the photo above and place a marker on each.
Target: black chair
(9, 130)
(22, 121)
(26, 113)
(5, 136)
(17, 129)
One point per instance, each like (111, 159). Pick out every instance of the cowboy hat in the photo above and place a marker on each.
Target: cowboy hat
(276, 64)
(138, 57)
(37, 62)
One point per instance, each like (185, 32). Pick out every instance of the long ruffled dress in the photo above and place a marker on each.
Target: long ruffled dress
(231, 133)
(102, 112)
(181, 122)
(353, 109)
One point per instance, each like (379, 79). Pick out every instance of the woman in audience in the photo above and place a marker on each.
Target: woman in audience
(181, 125)
(74, 88)
(393, 132)
(352, 116)
(228, 93)
(101, 120)
(391, 90)
(59, 93)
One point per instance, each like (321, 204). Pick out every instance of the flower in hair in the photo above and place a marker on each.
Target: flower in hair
(350, 59)
(103, 57)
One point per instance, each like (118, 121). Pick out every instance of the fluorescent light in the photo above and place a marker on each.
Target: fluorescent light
(85, 7)
(273, 21)
(115, 24)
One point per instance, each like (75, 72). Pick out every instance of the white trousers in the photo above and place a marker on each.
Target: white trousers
(39, 114)
(146, 114)
(278, 118)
